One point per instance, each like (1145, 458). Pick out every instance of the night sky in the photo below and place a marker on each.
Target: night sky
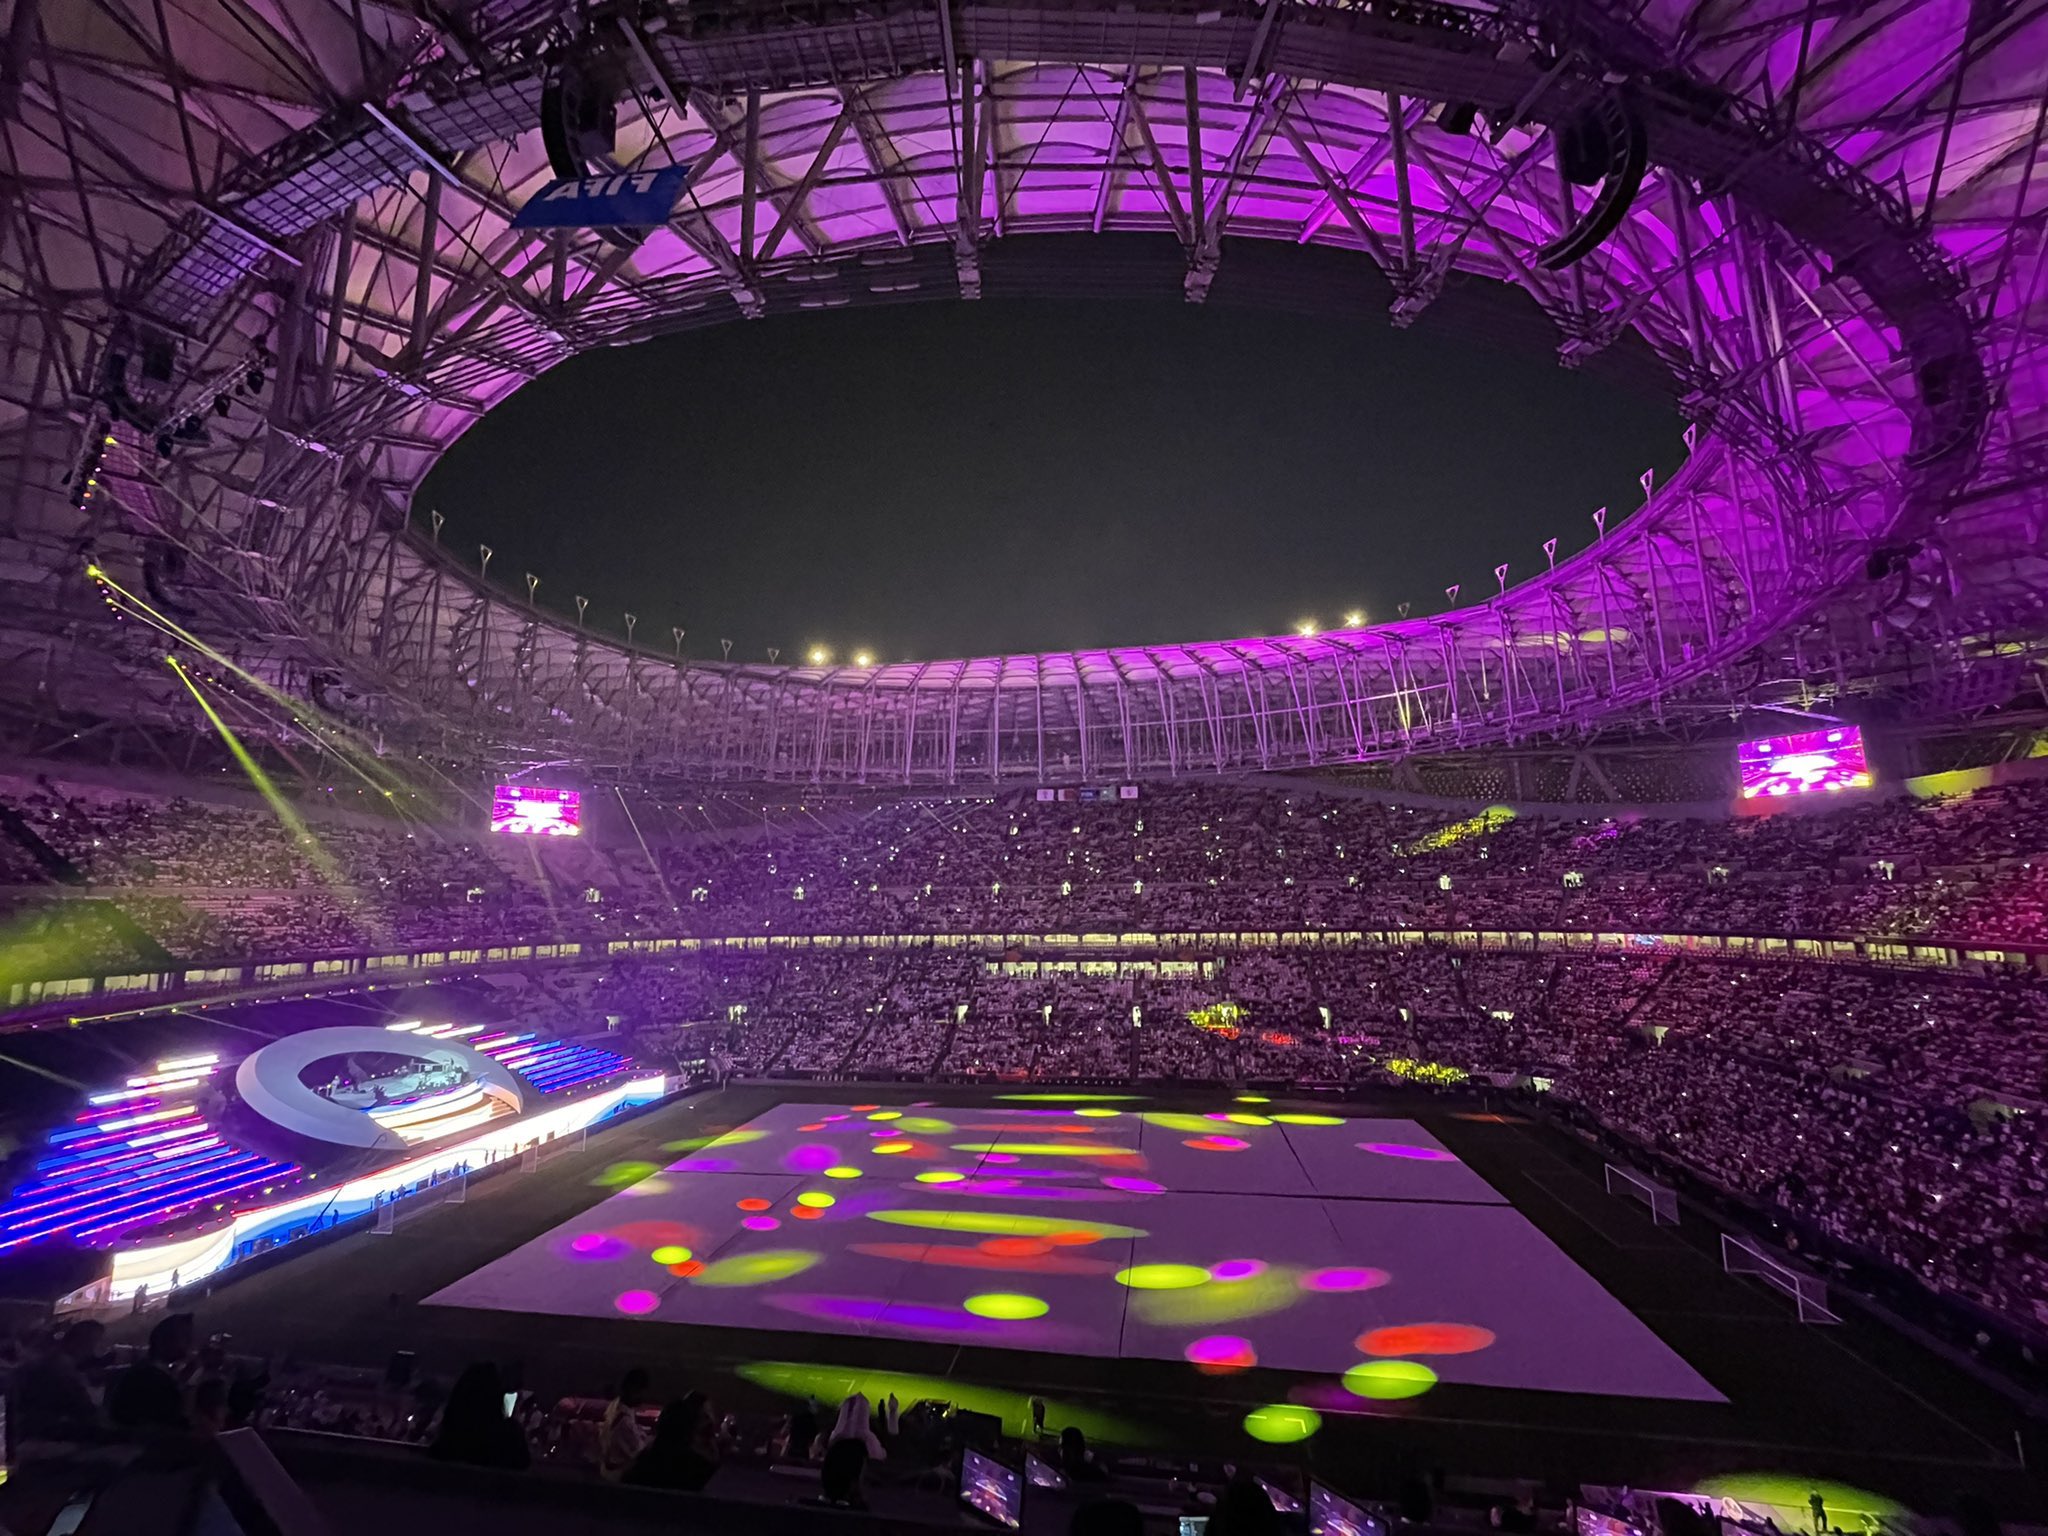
(959, 478)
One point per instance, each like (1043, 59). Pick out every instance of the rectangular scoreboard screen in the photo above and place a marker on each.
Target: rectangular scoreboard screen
(527, 811)
(1801, 764)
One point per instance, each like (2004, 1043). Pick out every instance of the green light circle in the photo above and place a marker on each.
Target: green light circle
(1248, 1120)
(1096, 1112)
(887, 1114)
(1308, 1119)
(1162, 1277)
(940, 1176)
(1253, 1098)
(672, 1254)
(842, 1172)
(817, 1200)
(1386, 1380)
(1006, 1305)
(1282, 1423)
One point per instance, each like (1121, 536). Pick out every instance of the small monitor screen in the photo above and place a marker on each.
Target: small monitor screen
(989, 1488)
(1330, 1515)
(1801, 764)
(1042, 1474)
(526, 810)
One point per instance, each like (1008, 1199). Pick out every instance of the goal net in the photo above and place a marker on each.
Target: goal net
(1663, 1203)
(1739, 1256)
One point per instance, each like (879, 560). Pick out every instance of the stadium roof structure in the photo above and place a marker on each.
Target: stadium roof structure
(261, 273)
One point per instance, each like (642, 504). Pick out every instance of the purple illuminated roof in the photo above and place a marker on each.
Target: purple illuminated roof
(1837, 251)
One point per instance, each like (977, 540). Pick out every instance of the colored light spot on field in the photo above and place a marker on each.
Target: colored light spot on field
(761, 1224)
(1386, 1381)
(618, 1175)
(835, 1117)
(1237, 1269)
(1282, 1423)
(636, 1303)
(1221, 1352)
(1162, 1277)
(1345, 1278)
(842, 1171)
(1216, 1143)
(813, 1157)
(1134, 1186)
(1066, 1098)
(1307, 1120)
(753, 1203)
(815, 1125)
(1097, 1112)
(950, 1256)
(1002, 1157)
(940, 1176)
(887, 1114)
(1075, 1237)
(687, 1268)
(715, 1139)
(861, 1109)
(807, 1213)
(888, 1147)
(1426, 1339)
(1215, 1307)
(1251, 1098)
(763, 1268)
(1407, 1150)
(709, 1164)
(1194, 1125)
(923, 1125)
(1015, 1247)
(1006, 1306)
(1002, 1224)
(596, 1247)
(670, 1253)
(1248, 1120)
(818, 1198)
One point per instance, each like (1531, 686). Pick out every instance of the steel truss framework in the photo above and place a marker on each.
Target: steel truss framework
(1838, 254)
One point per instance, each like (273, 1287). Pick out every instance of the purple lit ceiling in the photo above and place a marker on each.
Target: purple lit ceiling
(1837, 252)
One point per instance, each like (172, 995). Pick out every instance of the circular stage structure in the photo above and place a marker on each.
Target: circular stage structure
(269, 272)
(270, 1083)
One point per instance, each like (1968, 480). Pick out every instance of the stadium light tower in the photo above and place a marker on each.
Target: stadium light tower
(1306, 629)
(1355, 619)
(863, 659)
(819, 655)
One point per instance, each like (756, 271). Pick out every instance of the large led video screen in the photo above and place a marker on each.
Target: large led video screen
(1801, 764)
(527, 811)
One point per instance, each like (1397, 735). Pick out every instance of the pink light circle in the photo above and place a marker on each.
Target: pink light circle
(1135, 1186)
(1000, 1157)
(1216, 1143)
(1223, 1351)
(1413, 1153)
(1236, 1269)
(1344, 1278)
(596, 1246)
(637, 1303)
(760, 1223)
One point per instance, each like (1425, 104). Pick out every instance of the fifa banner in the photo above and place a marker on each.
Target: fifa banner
(1091, 793)
(628, 199)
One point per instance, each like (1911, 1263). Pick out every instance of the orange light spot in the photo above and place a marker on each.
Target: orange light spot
(1425, 1339)
(1015, 1247)
(860, 1109)
(807, 1213)
(686, 1269)
(815, 1125)
(753, 1203)
(1073, 1237)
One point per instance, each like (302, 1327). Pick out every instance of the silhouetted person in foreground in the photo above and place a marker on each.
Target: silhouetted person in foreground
(684, 1451)
(474, 1428)
(149, 1395)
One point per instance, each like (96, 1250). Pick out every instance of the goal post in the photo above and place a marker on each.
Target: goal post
(1739, 1256)
(1662, 1201)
